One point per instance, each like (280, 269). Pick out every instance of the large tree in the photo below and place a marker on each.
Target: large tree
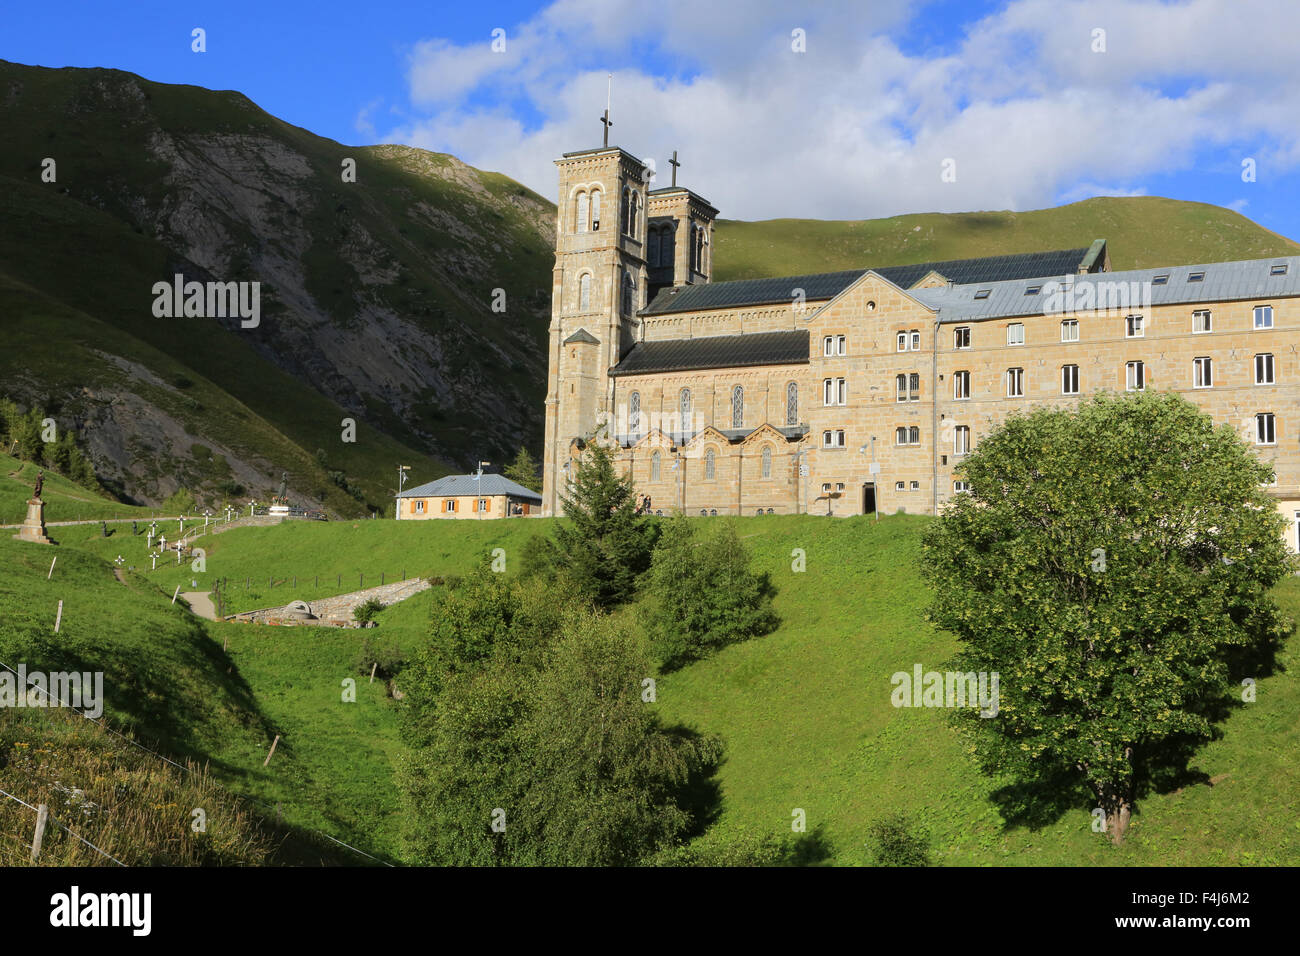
(604, 544)
(524, 471)
(1112, 564)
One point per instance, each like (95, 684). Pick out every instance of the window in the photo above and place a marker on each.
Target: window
(451, 504)
(961, 440)
(1134, 376)
(767, 461)
(1015, 383)
(1033, 289)
(835, 391)
(1264, 368)
(684, 408)
(595, 210)
(1016, 334)
(1133, 326)
(583, 213)
(833, 439)
(902, 341)
(652, 238)
(908, 387)
(710, 465)
(1069, 330)
(1278, 270)
(1161, 280)
(1201, 321)
(666, 250)
(629, 293)
(916, 486)
(961, 384)
(960, 486)
(1196, 277)
(625, 213)
(634, 414)
(1202, 372)
(907, 435)
(1069, 380)
(828, 345)
(916, 341)
(419, 507)
(584, 293)
(737, 407)
(983, 293)
(481, 505)
(961, 337)
(792, 404)
(1263, 316)
(899, 486)
(1264, 429)
(655, 461)
(841, 345)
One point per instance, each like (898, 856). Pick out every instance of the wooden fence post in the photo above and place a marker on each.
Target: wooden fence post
(42, 816)
(272, 752)
(58, 618)
(372, 671)
(51, 574)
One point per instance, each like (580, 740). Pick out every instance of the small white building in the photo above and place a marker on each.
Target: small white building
(468, 496)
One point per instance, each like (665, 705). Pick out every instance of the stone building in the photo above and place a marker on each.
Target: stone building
(848, 392)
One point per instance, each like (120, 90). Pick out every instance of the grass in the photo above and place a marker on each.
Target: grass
(804, 712)
(64, 500)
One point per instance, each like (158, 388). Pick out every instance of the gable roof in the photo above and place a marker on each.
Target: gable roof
(453, 486)
(582, 335)
(1131, 289)
(826, 285)
(715, 351)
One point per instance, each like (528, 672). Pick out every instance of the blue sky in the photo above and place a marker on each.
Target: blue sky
(857, 124)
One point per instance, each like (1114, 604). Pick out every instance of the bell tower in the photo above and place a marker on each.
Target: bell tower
(599, 285)
(679, 236)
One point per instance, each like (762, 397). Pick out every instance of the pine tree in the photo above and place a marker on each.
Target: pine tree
(604, 545)
(524, 471)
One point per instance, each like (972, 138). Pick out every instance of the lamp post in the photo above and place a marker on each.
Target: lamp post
(401, 483)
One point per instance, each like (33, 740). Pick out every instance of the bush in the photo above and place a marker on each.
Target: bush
(366, 610)
(703, 594)
(387, 661)
(894, 842)
(181, 501)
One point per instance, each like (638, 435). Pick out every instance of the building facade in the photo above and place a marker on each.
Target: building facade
(850, 392)
(479, 496)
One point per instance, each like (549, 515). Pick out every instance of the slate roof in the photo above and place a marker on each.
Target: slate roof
(1223, 282)
(470, 485)
(715, 351)
(827, 285)
(582, 335)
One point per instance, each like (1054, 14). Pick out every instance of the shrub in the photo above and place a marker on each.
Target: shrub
(366, 610)
(894, 841)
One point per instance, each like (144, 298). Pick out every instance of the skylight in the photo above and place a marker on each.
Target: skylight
(1278, 270)
(1195, 276)
(1033, 289)
(983, 293)
(1161, 280)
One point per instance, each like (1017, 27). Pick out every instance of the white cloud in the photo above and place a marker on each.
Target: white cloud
(857, 126)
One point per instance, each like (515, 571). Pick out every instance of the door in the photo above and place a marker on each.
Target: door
(868, 497)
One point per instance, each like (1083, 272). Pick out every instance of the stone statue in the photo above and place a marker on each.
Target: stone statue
(284, 486)
(40, 483)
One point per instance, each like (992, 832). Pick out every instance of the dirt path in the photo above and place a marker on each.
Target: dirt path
(200, 604)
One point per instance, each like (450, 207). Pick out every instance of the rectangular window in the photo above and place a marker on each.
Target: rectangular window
(1196, 277)
(451, 504)
(828, 346)
(1016, 334)
(902, 341)
(842, 391)
(899, 486)
(1263, 316)
(1202, 373)
(1069, 380)
(833, 438)
(916, 486)
(960, 486)
(419, 507)
(1264, 368)
(1161, 280)
(916, 341)
(907, 435)
(481, 505)
(1069, 330)
(1278, 270)
(1133, 327)
(828, 391)
(961, 337)
(961, 384)
(1134, 377)
(1201, 321)
(835, 391)
(841, 345)
(983, 293)
(961, 440)
(1264, 429)
(1015, 382)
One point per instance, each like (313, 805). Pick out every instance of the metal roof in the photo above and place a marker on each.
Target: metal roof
(827, 285)
(1132, 289)
(715, 351)
(453, 486)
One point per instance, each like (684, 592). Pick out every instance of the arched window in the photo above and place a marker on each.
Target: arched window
(634, 209)
(710, 465)
(626, 212)
(737, 407)
(767, 461)
(654, 466)
(583, 212)
(792, 404)
(652, 253)
(684, 408)
(666, 246)
(584, 293)
(595, 210)
(694, 236)
(634, 414)
(629, 294)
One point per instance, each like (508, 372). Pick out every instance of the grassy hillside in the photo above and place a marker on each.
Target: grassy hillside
(804, 712)
(1141, 231)
(64, 500)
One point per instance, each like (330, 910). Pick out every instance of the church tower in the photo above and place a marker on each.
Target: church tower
(600, 283)
(679, 237)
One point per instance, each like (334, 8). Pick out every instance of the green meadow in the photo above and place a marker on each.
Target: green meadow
(804, 712)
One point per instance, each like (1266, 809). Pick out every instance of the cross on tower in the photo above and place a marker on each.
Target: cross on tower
(674, 164)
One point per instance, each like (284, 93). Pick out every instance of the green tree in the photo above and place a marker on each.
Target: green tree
(604, 544)
(1112, 566)
(524, 471)
(180, 501)
(703, 594)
